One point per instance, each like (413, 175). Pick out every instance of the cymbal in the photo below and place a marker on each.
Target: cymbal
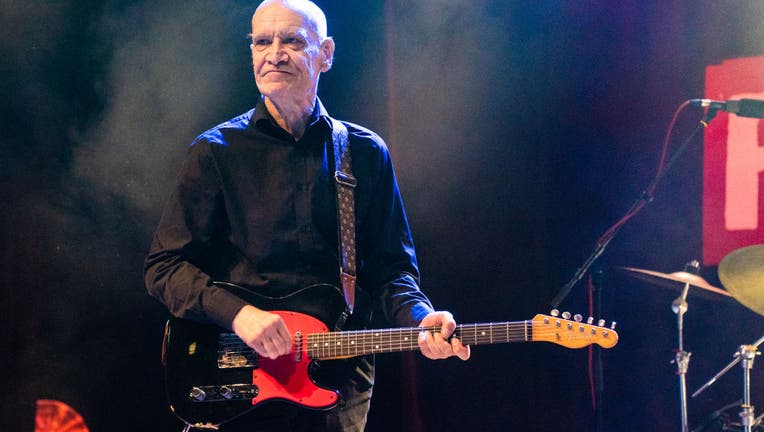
(742, 273)
(675, 280)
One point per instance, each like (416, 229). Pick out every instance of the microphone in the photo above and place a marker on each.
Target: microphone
(742, 108)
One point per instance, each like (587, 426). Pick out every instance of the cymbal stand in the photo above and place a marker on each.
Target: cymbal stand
(682, 358)
(748, 354)
(745, 354)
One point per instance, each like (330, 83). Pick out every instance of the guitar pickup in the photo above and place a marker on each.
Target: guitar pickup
(226, 392)
(232, 355)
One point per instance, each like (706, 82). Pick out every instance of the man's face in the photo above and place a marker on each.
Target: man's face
(287, 56)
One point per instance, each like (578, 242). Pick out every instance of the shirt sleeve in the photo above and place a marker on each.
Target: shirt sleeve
(184, 242)
(389, 263)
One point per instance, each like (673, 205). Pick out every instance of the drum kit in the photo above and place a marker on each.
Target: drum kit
(741, 273)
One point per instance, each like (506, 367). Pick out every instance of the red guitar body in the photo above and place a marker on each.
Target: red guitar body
(286, 378)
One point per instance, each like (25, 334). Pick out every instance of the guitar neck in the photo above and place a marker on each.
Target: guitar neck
(232, 352)
(362, 342)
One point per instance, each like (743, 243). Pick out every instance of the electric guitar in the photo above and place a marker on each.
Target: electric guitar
(213, 377)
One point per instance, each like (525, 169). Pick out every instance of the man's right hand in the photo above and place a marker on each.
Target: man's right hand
(263, 331)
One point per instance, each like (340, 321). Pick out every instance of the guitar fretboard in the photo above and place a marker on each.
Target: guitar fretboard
(356, 343)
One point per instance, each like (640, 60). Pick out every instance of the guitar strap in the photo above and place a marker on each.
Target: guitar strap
(345, 185)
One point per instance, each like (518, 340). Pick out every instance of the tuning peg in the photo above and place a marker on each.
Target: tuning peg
(590, 320)
(601, 323)
(566, 315)
(578, 317)
(612, 325)
(554, 313)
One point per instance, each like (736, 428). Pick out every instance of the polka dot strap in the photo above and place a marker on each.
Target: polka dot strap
(345, 184)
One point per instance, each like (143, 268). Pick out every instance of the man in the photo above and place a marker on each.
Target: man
(255, 205)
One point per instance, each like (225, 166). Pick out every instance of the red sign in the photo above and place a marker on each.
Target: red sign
(733, 162)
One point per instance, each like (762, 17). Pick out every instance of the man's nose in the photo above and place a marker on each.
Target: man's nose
(276, 53)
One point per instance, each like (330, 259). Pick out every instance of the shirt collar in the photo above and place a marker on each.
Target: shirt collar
(263, 121)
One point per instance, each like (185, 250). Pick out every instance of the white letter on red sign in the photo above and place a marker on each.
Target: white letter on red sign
(745, 161)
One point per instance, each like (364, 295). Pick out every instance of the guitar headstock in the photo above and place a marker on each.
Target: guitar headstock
(573, 333)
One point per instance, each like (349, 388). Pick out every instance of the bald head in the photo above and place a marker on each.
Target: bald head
(314, 17)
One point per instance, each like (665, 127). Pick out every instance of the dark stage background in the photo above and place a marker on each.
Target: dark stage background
(520, 131)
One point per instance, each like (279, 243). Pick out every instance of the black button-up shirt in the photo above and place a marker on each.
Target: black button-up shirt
(254, 207)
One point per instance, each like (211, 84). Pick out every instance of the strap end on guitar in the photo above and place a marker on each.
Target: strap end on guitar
(348, 289)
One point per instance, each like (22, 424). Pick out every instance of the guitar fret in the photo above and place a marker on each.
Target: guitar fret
(477, 334)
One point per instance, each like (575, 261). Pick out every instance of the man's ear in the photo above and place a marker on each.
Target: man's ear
(327, 48)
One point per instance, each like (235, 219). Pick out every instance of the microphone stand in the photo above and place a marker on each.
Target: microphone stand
(596, 352)
(645, 198)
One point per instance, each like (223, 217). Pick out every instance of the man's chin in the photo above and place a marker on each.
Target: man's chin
(280, 92)
(274, 88)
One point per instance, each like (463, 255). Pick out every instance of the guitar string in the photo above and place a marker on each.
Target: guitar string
(379, 336)
(382, 333)
(484, 337)
(331, 343)
(322, 343)
(331, 351)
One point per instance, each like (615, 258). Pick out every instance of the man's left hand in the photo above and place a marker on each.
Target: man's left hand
(437, 345)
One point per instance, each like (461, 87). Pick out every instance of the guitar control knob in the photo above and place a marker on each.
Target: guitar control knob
(566, 315)
(197, 394)
(226, 392)
(578, 317)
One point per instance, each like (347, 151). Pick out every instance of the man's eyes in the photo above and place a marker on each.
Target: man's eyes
(292, 41)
